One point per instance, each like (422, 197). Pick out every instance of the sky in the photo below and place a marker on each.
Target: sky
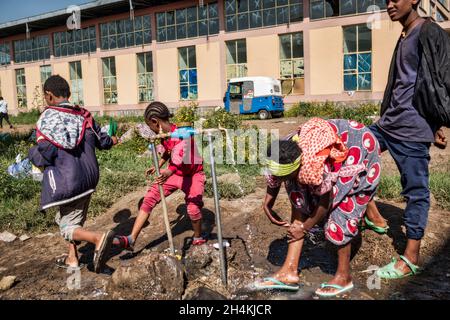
(17, 9)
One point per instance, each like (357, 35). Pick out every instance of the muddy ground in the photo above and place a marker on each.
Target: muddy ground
(257, 249)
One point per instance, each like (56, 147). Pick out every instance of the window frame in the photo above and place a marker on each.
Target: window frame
(112, 77)
(146, 55)
(188, 69)
(75, 88)
(239, 68)
(111, 28)
(21, 72)
(292, 78)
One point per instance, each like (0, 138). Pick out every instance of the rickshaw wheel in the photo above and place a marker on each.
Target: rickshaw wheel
(263, 114)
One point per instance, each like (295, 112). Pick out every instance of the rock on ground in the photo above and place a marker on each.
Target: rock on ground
(7, 236)
(7, 282)
(153, 275)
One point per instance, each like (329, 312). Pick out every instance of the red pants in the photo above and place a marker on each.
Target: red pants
(192, 186)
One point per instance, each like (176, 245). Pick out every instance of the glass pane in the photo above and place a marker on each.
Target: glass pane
(213, 10)
(364, 81)
(231, 52)
(350, 61)
(146, 23)
(141, 63)
(138, 38)
(70, 50)
(297, 43)
(363, 5)
(184, 92)
(103, 29)
(148, 62)
(241, 51)
(112, 42)
(92, 32)
(182, 58)
(255, 5)
(170, 33)
(282, 15)
(192, 30)
(214, 26)
(121, 43)
(104, 43)
(349, 39)
(364, 62)
(202, 28)
(365, 38)
(230, 6)
(161, 35)
(78, 47)
(242, 5)
(332, 8)
(181, 31)
(191, 57)
(160, 19)
(130, 39)
(112, 66)
(193, 76)
(93, 45)
(121, 26)
(296, 13)
(128, 26)
(147, 37)
(298, 68)
(193, 92)
(243, 21)
(202, 13)
(181, 16)
(285, 46)
(317, 9)
(268, 4)
(112, 28)
(184, 74)
(191, 14)
(269, 18)
(348, 6)
(256, 19)
(282, 2)
(350, 82)
(138, 23)
(170, 17)
(231, 24)
(286, 69)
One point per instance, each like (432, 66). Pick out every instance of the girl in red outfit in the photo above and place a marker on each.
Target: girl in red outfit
(185, 172)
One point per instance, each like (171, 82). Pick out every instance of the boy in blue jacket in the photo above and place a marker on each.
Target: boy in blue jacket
(67, 137)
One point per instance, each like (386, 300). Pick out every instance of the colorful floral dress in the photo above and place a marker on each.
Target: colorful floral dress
(352, 182)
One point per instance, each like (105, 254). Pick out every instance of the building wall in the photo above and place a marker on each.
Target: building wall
(34, 86)
(93, 94)
(8, 86)
(126, 68)
(62, 69)
(209, 71)
(167, 76)
(325, 53)
(263, 58)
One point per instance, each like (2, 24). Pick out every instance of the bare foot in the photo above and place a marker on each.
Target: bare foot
(287, 278)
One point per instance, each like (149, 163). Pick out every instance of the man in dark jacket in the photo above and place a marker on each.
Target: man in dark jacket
(67, 136)
(412, 112)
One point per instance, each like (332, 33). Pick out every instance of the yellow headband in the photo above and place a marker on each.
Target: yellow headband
(281, 170)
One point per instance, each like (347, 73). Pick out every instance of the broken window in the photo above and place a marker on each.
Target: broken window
(357, 58)
(145, 76)
(292, 70)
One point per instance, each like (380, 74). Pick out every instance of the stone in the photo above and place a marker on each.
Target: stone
(7, 282)
(24, 237)
(7, 236)
(152, 276)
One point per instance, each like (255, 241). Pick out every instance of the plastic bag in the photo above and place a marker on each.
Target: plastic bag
(21, 168)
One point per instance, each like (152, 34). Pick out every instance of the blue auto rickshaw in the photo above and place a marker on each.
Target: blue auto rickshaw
(254, 95)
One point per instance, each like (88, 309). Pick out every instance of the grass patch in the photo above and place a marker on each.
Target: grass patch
(363, 113)
(29, 117)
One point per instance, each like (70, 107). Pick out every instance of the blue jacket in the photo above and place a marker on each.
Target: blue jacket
(67, 137)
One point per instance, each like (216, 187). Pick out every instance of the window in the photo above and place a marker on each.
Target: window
(189, 22)
(326, 8)
(109, 80)
(21, 88)
(357, 58)
(46, 72)
(33, 49)
(126, 33)
(145, 76)
(75, 42)
(292, 70)
(76, 83)
(250, 14)
(5, 54)
(187, 66)
(236, 59)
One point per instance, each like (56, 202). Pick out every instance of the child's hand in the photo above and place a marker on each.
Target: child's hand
(114, 140)
(150, 171)
(440, 140)
(164, 175)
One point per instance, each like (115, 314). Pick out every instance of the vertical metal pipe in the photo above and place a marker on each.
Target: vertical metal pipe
(223, 269)
(163, 199)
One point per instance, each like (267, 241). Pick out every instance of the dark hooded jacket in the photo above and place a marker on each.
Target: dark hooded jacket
(432, 90)
(67, 137)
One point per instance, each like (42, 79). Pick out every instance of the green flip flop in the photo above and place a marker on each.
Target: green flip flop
(370, 225)
(390, 272)
(278, 285)
(340, 290)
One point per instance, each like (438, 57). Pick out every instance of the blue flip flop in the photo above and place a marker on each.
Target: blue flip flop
(278, 285)
(340, 290)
